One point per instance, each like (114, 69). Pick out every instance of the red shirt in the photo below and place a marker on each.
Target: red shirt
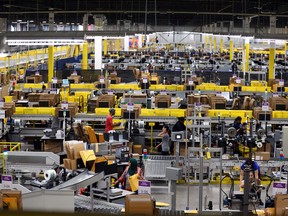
(109, 123)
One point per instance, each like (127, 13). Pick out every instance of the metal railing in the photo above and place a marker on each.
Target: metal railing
(11, 146)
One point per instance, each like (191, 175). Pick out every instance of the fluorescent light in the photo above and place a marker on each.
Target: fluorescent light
(2, 55)
(45, 42)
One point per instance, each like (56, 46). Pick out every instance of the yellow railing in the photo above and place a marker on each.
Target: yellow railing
(11, 146)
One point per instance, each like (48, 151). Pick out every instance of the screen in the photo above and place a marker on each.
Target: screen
(101, 86)
(280, 89)
(190, 88)
(262, 117)
(237, 88)
(126, 115)
(220, 106)
(280, 107)
(61, 114)
(44, 104)
(103, 104)
(153, 82)
(162, 105)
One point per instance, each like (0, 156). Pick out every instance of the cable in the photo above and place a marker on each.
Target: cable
(221, 186)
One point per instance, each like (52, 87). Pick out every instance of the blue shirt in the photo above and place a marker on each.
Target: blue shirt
(255, 167)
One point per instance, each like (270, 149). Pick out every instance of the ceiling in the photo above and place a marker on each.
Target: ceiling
(171, 13)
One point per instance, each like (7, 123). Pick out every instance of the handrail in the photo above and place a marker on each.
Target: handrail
(13, 146)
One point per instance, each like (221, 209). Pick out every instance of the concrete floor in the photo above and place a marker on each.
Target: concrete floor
(211, 191)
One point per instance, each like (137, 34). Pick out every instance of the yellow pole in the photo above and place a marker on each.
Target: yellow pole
(210, 42)
(247, 56)
(50, 62)
(85, 56)
(231, 50)
(118, 44)
(105, 46)
(215, 44)
(221, 45)
(271, 74)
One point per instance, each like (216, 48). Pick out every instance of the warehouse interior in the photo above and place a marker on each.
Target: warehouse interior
(145, 107)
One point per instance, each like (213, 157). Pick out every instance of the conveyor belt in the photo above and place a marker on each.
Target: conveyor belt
(82, 180)
(83, 205)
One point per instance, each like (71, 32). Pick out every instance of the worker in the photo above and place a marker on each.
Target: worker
(254, 167)
(254, 186)
(234, 67)
(242, 130)
(130, 170)
(237, 123)
(165, 144)
(109, 121)
(179, 126)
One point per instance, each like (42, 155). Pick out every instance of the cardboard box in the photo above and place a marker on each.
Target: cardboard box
(73, 164)
(67, 163)
(110, 99)
(137, 110)
(278, 103)
(270, 212)
(281, 202)
(77, 79)
(266, 147)
(137, 149)
(258, 114)
(13, 194)
(33, 97)
(264, 156)
(163, 98)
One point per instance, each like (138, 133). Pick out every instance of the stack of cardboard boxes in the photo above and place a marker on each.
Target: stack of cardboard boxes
(137, 111)
(107, 99)
(73, 149)
(263, 153)
(155, 79)
(217, 102)
(114, 79)
(9, 109)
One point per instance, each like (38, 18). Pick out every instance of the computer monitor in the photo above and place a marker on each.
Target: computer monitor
(44, 103)
(264, 117)
(237, 88)
(280, 107)
(99, 167)
(113, 81)
(60, 114)
(110, 169)
(126, 115)
(280, 89)
(220, 106)
(163, 105)
(103, 104)
(101, 86)
(190, 88)
(71, 81)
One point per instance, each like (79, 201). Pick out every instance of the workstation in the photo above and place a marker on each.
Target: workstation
(113, 119)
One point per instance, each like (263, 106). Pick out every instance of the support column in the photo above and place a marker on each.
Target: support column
(50, 63)
(51, 21)
(118, 44)
(126, 43)
(221, 44)
(105, 46)
(85, 56)
(140, 41)
(231, 26)
(98, 53)
(206, 41)
(85, 22)
(215, 44)
(271, 73)
(273, 20)
(246, 24)
(210, 42)
(231, 50)
(247, 54)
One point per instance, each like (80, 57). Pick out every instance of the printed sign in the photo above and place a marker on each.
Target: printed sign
(144, 80)
(279, 188)
(265, 106)
(7, 181)
(54, 80)
(144, 187)
(130, 107)
(64, 105)
(190, 82)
